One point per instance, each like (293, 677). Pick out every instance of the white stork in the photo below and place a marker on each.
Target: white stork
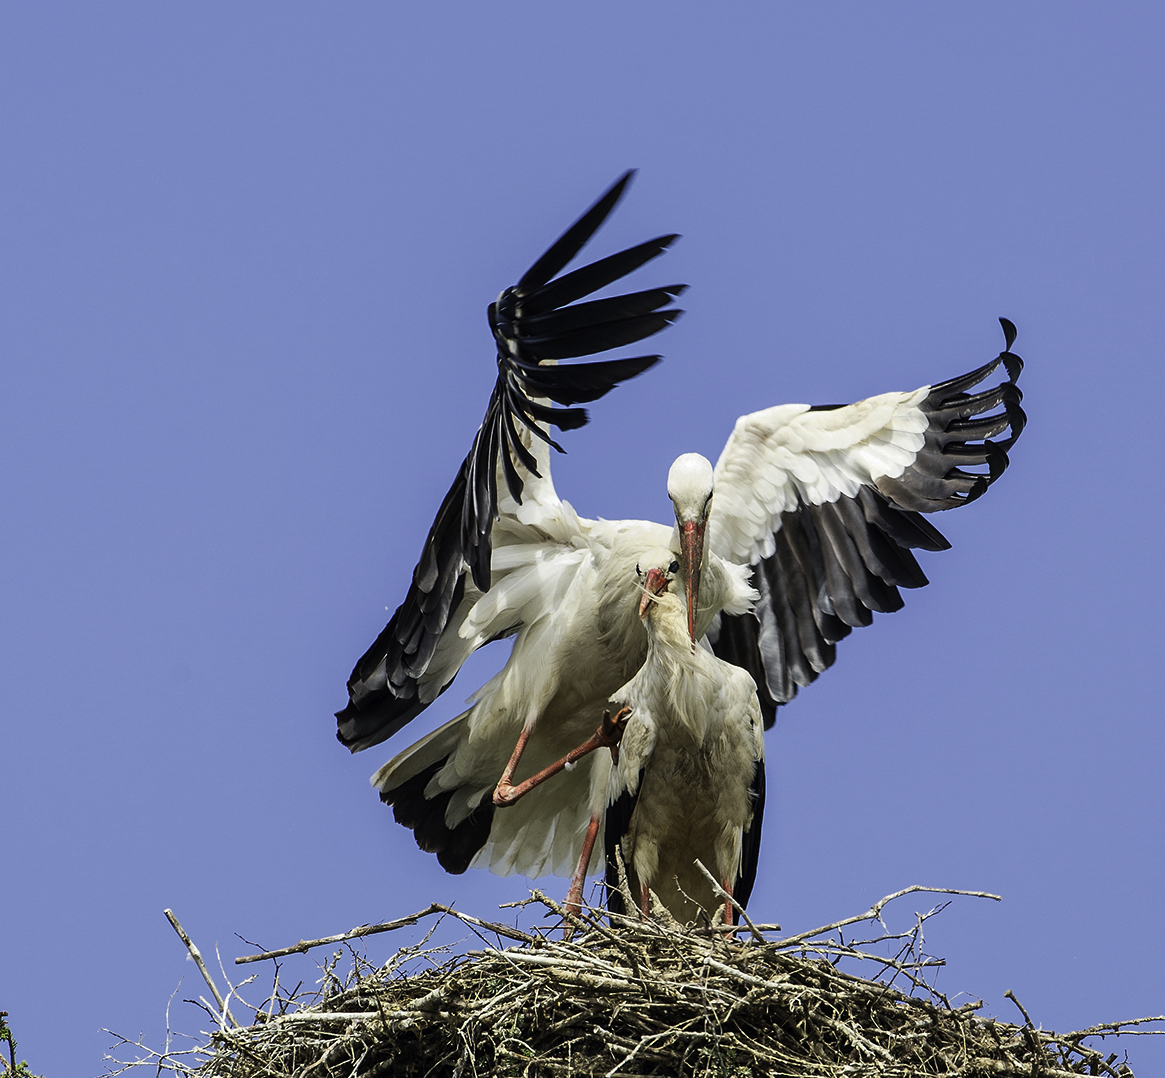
(816, 509)
(688, 779)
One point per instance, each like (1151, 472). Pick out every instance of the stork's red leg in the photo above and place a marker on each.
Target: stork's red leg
(608, 735)
(644, 900)
(574, 895)
(511, 765)
(729, 909)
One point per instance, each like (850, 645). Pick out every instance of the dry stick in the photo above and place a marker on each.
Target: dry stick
(728, 898)
(591, 917)
(365, 930)
(387, 926)
(629, 902)
(1115, 1029)
(742, 976)
(489, 926)
(1026, 1017)
(874, 912)
(197, 956)
(1034, 1042)
(557, 962)
(565, 914)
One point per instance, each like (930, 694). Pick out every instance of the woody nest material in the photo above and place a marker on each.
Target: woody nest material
(633, 998)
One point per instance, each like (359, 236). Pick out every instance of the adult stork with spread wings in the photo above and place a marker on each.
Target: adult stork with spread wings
(815, 514)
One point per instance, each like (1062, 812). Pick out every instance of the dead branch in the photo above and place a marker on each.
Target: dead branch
(303, 946)
(197, 956)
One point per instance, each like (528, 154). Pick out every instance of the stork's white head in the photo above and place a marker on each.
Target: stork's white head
(689, 485)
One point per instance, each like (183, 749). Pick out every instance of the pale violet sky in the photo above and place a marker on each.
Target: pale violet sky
(246, 252)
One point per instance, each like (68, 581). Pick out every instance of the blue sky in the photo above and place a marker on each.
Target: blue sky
(246, 253)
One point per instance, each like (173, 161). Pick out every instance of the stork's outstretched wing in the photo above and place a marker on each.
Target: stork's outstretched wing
(825, 504)
(535, 323)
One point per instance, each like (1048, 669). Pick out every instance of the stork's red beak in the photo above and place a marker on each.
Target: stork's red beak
(691, 558)
(654, 583)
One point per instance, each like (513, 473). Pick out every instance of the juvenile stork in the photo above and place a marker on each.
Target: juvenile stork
(689, 779)
(816, 510)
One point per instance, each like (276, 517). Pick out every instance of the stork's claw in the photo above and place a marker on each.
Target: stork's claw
(610, 731)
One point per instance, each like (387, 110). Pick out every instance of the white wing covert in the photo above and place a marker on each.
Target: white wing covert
(825, 504)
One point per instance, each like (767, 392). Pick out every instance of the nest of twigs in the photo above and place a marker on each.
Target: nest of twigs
(623, 996)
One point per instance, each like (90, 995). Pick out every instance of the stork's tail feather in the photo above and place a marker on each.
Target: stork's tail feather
(455, 846)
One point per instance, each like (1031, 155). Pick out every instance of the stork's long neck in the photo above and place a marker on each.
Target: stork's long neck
(678, 671)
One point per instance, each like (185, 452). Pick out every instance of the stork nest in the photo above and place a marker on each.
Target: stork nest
(632, 997)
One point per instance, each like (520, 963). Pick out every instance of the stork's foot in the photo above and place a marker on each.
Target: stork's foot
(611, 730)
(573, 904)
(505, 794)
(574, 898)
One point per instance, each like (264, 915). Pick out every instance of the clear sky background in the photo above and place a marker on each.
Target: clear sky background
(246, 252)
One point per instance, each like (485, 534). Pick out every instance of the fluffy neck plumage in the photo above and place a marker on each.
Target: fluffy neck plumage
(678, 671)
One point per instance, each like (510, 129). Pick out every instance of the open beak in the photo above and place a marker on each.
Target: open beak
(691, 557)
(655, 583)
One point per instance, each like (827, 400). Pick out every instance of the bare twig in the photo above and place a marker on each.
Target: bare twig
(719, 890)
(303, 946)
(1118, 1028)
(874, 913)
(197, 956)
(1022, 1010)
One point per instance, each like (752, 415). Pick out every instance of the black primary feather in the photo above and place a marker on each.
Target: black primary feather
(835, 565)
(615, 826)
(533, 325)
(750, 840)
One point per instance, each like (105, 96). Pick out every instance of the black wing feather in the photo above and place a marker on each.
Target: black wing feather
(563, 249)
(456, 846)
(582, 282)
(597, 338)
(532, 327)
(615, 826)
(834, 565)
(579, 315)
(750, 840)
(581, 383)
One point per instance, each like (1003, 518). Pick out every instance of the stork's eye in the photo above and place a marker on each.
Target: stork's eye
(638, 571)
(674, 567)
